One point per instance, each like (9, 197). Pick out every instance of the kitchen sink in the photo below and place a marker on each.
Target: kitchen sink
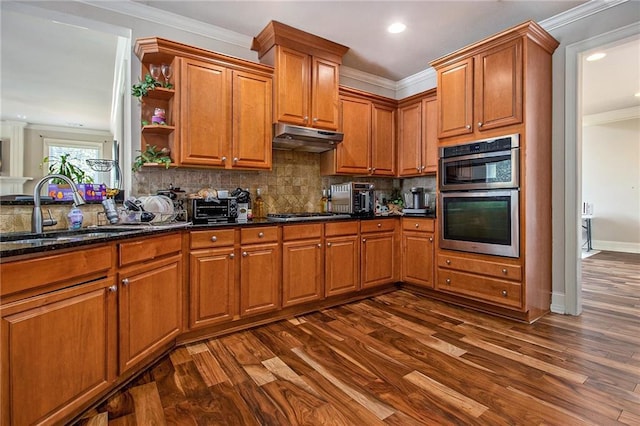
(54, 237)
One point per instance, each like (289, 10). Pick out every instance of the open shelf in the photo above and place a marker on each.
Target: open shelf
(158, 129)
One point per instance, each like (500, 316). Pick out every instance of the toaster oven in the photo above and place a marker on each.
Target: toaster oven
(354, 198)
(206, 212)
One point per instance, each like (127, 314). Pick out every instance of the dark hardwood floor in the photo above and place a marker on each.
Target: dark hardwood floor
(401, 359)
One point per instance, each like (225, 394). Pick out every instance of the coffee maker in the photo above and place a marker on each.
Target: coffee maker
(420, 202)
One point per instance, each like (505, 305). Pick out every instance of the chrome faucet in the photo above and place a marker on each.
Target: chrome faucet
(37, 223)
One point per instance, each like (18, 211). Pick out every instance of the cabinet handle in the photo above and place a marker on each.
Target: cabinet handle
(379, 225)
(430, 239)
(418, 169)
(113, 288)
(328, 244)
(315, 119)
(504, 271)
(479, 123)
(306, 118)
(370, 169)
(373, 169)
(214, 239)
(417, 225)
(364, 240)
(125, 281)
(504, 293)
(223, 159)
(235, 160)
(245, 254)
(468, 126)
(448, 281)
(260, 234)
(232, 256)
(448, 262)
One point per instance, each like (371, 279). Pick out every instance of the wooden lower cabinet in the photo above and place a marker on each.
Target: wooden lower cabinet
(259, 278)
(58, 352)
(418, 251)
(378, 250)
(342, 264)
(302, 261)
(150, 308)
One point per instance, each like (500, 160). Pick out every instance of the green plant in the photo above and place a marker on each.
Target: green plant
(142, 88)
(152, 154)
(65, 166)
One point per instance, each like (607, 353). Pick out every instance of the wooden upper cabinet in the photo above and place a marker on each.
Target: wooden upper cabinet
(369, 146)
(306, 69)
(251, 147)
(481, 87)
(221, 107)
(417, 141)
(205, 115)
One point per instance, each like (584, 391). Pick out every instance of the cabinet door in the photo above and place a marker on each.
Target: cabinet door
(58, 351)
(430, 135)
(212, 284)
(383, 140)
(293, 86)
(417, 259)
(353, 152)
(410, 139)
(205, 113)
(324, 94)
(378, 259)
(251, 121)
(455, 99)
(342, 265)
(259, 279)
(302, 277)
(150, 302)
(498, 89)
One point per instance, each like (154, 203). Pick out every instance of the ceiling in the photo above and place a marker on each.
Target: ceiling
(50, 85)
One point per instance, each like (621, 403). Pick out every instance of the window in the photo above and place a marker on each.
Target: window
(79, 152)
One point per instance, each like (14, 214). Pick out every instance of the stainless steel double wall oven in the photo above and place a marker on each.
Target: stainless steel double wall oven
(479, 196)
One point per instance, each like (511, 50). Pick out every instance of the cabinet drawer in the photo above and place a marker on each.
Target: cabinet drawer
(46, 270)
(378, 225)
(263, 234)
(301, 232)
(484, 267)
(500, 292)
(340, 228)
(149, 248)
(212, 238)
(418, 224)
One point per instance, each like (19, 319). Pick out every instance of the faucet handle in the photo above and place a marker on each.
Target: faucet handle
(51, 221)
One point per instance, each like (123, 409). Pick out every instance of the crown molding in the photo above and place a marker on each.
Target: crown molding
(579, 12)
(611, 116)
(73, 130)
(148, 13)
(365, 77)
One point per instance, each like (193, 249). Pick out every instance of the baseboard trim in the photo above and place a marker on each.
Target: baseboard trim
(616, 246)
(558, 303)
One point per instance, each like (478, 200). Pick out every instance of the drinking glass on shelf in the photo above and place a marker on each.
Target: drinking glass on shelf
(154, 70)
(166, 72)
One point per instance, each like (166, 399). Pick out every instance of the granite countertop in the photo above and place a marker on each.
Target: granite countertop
(21, 243)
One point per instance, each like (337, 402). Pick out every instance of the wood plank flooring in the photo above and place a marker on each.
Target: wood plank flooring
(401, 359)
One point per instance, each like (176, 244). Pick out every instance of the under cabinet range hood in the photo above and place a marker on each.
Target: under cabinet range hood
(297, 138)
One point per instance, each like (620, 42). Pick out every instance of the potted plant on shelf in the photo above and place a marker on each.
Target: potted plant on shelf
(152, 155)
(142, 88)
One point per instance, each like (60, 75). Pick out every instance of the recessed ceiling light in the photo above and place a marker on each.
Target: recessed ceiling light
(397, 27)
(596, 56)
(21, 116)
(637, 95)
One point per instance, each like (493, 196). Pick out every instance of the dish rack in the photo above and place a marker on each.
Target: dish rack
(128, 217)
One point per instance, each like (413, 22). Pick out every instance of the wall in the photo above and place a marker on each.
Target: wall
(611, 182)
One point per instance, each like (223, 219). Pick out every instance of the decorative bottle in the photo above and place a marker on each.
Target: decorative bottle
(323, 202)
(258, 206)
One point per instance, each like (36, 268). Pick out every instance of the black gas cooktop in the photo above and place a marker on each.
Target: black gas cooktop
(295, 217)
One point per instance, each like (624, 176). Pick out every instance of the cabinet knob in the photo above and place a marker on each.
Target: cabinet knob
(125, 281)
(113, 288)
(260, 234)
(448, 262)
(245, 254)
(328, 244)
(319, 245)
(223, 159)
(379, 225)
(306, 118)
(418, 169)
(417, 225)
(504, 293)
(214, 239)
(479, 123)
(373, 169)
(232, 256)
(468, 126)
(315, 119)
(235, 160)
(448, 281)
(364, 240)
(504, 271)
(430, 239)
